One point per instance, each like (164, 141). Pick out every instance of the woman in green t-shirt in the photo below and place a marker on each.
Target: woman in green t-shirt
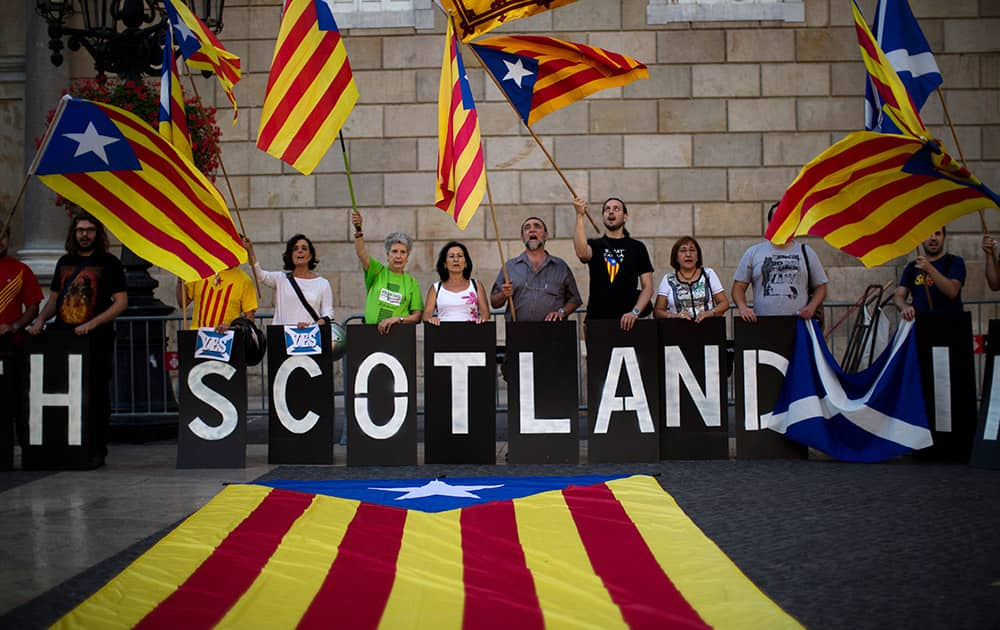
(393, 295)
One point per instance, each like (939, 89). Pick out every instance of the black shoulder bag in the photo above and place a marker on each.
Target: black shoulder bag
(302, 298)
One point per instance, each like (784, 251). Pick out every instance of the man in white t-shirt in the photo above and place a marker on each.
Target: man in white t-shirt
(782, 277)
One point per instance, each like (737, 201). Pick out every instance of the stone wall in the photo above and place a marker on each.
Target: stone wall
(729, 114)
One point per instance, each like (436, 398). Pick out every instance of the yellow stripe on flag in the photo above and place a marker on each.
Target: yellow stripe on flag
(428, 586)
(723, 596)
(287, 584)
(555, 555)
(129, 597)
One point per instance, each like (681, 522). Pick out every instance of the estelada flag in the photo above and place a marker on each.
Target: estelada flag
(877, 196)
(476, 17)
(202, 49)
(310, 90)
(173, 117)
(114, 165)
(461, 167)
(543, 74)
(599, 552)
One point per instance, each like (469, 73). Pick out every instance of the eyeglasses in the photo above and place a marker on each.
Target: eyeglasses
(687, 250)
(86, 230)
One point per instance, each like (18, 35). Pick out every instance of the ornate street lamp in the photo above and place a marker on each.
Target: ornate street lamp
(125, 37)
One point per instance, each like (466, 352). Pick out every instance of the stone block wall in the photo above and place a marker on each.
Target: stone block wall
(729, 114)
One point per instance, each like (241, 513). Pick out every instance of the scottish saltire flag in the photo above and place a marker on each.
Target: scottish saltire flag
(173, 118)
(877, 196)
(870, 416)
(596, 552)
(310, 90)
(202, 50)
(476, 17)
(461, 169)
(543, 74)
(898, 34)
(115, 166)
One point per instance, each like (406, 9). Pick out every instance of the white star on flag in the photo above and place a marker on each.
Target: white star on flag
(437, 488)
(91, 142)
(516, 72)
(183, 29)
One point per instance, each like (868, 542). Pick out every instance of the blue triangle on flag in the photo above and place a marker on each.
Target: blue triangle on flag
(86, 140)
(515, 74)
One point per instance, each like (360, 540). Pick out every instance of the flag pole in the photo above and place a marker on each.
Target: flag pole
(13, 207)
(961, 156)
(232, 195)
(496, 233)
(532, 132)
(34, 161)
(347, 169)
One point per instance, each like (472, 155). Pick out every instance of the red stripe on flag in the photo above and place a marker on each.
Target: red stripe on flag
(566, 84)
(358, 584)
(499, 588)
(205, 597)
(813, 174)
(136, 222)
(206, 293)
(634, 579)
(322, 110)
(856, 211)
(908, 220)
(290, 48)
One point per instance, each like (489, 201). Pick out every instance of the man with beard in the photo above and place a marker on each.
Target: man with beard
(86, 295)
(542, 286)
(20, 296)
(934, 280)
(617, 263)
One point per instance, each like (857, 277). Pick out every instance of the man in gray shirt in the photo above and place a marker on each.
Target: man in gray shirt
(782, 279)
(542, 286)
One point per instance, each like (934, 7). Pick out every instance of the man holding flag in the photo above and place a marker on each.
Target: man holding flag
(934, 280)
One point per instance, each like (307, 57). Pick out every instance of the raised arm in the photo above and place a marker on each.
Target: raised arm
(580, 244)
(359, 240)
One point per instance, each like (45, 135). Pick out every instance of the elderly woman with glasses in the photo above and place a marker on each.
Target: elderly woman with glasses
(692, 291)
(393, 295)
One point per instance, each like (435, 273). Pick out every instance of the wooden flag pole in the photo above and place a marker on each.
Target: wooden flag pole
(958, 146)
(536, 138)
(232, 195)
(13, 207)
(496, 233)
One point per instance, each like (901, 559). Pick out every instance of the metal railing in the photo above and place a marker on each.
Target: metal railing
(144, 386)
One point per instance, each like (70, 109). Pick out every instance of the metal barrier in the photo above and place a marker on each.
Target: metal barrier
(144, 386)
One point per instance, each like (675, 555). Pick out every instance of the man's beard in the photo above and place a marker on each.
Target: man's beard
(534, 245)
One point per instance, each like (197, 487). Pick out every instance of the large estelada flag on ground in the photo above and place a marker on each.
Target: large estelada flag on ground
(476, 17)
(310, 90)
(595, 552)
(898, 34)
(202, 49)
(877, 196)
(461, 168)
(543, 74)
(869, 416)
(115, 166)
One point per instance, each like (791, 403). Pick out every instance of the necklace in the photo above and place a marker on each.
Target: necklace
(685, 277)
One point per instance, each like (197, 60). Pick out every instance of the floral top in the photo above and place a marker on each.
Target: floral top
(462, 306)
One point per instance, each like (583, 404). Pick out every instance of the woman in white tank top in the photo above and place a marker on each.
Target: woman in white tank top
(457, 297)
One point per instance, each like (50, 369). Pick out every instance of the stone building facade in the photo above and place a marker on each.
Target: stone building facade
(737, 100)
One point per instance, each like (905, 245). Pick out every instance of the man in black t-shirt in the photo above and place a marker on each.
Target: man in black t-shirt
(617, 264)
(86, 295)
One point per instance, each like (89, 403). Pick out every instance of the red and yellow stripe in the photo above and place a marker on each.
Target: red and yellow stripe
(310, 90)
(212, 55)
(461, 170)
(567, 71)
(857, 197)
(167, 211)
(614, 555)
